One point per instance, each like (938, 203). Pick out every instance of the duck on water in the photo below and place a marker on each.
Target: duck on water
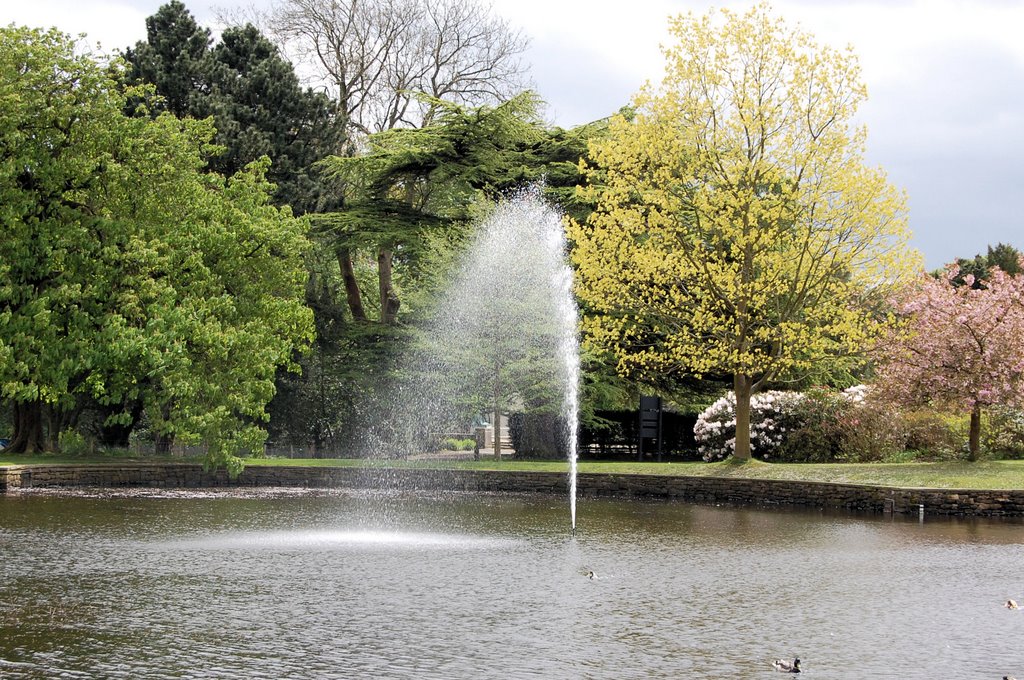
(784, 666)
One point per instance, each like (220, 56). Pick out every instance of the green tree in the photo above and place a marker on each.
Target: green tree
(421, 191)
(737, 229)
(413, 181)
(129, 275)
(408, 202)
(961, 346)
(1004, 256)
(173, 58)
(253, 95)
(379, 58)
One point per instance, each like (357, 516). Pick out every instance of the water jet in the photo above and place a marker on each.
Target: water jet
(501, 339)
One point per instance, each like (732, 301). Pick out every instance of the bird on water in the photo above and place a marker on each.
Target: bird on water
(785, 666)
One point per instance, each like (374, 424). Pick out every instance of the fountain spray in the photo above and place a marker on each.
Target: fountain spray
(503, 336)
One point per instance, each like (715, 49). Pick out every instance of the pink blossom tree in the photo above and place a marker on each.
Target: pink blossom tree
(960, 347)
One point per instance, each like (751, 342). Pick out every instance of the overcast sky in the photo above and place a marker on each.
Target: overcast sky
(945, 78)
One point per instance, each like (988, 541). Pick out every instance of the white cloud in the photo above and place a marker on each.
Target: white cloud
(113, 24)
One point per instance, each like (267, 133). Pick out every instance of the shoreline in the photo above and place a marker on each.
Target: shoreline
(697, 489)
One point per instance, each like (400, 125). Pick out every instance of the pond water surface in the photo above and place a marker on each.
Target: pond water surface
(283, 584)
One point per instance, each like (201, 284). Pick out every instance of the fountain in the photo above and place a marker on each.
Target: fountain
(503, 337)
(294, 583)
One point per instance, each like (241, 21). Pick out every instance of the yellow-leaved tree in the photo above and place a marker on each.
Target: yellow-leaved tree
(738, 230)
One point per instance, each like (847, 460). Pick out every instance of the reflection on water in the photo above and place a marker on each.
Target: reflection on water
(323, 540)
(329, 585)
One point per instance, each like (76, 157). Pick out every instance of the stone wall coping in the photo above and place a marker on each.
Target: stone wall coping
(733, 490)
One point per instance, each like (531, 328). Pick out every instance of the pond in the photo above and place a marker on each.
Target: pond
(287, 584)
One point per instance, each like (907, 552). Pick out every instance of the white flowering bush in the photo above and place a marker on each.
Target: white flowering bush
(772, 414)
(855, 394)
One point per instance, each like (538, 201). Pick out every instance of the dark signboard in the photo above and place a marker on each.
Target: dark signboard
(650, 423)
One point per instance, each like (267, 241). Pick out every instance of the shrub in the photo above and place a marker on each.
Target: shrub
(870, 431)
(823, 425)
(73, 443)
(817, 436)
(1004, 433)
(458, 444)
(771, 415)
(851, 425)
(929, 434)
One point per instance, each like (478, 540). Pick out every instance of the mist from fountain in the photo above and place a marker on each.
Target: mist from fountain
(504, 333)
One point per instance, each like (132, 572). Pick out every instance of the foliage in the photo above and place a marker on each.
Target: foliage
(818, 426)
(772, 415)
(413, 198)
(74, 443)
(414, 183)
(737, 230)
(851, 425)
(344, 385)
(450, 444)
(127, 274)
(173, 58)
(961, 347)
(930, 435)
(438, 170)
(1004, 432)
(251, 92)
(494, 341)
(555, 159)
(817, 436)
(379, 59)
(1003, 256)
(870, 431)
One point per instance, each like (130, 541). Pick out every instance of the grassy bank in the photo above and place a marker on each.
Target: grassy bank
(1003, 474)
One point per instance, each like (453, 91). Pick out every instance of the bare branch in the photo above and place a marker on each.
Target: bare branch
(377, 56)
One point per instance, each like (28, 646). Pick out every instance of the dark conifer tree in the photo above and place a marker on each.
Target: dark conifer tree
(257, 103)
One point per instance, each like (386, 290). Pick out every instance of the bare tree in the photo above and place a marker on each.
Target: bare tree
(468, 55)
(378, 56)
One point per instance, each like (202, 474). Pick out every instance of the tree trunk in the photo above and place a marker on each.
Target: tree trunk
(28, 428)
(974, 437)
(56, 421)
(352, 294)
(389, 302)
(162, 445)
(742, 387)
(117, 435)
(52, 427)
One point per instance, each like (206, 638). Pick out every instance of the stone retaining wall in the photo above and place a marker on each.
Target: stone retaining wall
(695, 489)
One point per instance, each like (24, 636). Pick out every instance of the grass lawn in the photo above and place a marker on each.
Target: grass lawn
(1000, 474)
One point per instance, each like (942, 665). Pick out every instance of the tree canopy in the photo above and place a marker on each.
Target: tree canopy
(410, 182)
(412, 201)
(129, 274)
(394, 64)
(737, 228)
(253, 96)
(1002, 256)
(961, 346)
